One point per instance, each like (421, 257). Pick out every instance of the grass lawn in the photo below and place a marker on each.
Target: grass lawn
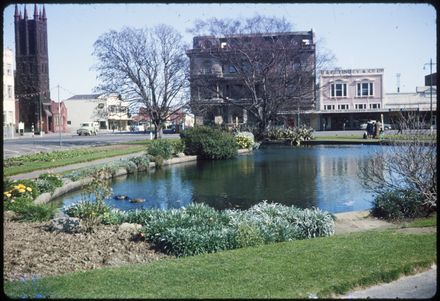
(39, 161)
(321, 266)
(421, 222)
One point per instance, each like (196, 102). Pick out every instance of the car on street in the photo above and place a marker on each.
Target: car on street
(88, 129)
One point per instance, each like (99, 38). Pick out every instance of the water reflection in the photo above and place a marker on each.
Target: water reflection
(318, 176)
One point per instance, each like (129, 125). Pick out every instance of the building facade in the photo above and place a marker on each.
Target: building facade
(8, 88)
(32, 70)
(109, 110)
(222, 91)
(59, 117)
(420, 102)
(348, 98)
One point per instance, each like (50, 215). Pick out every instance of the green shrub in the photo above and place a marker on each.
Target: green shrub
(209, 143)
(278, 223)
(142, 162)
(18, 194)
(158, 160)
(130, 166)
(178, 146)
(48, 182)
(248, 236)
(36, 213)
(295, 135)
(87, 209)
(243, 142)
(398, 204)
(163, 148)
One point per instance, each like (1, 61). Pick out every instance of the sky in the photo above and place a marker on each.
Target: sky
(400, 38)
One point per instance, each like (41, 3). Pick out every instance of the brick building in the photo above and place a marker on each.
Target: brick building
(227, 100)
(32, 69)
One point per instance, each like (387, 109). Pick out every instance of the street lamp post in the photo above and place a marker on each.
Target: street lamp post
(430, 84)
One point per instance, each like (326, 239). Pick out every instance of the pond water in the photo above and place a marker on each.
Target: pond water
(322, 176)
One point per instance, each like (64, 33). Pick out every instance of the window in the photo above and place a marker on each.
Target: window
(9, 91)
(8, 69)
(365, 89)
(338, 89)
(360, 106)
(296, 64)
(374, 105)
(69, 122)
(231, 69)
(329, 107)
(343, 107)
(206, 67)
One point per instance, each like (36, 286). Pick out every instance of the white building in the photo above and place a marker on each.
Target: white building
(419, 101)
(109, 110)
(8, 88)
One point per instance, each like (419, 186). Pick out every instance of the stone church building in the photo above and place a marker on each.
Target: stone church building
(32, 70)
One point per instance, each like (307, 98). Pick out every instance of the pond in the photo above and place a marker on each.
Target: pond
(322, 176)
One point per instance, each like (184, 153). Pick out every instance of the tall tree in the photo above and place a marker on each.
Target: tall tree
(148, 67)
(274, 69)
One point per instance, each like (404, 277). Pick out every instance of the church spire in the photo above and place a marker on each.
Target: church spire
(16, 15)
(35, 11)
(44, 13)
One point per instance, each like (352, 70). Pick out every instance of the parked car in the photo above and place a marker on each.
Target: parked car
(88, 128)
(387, 126)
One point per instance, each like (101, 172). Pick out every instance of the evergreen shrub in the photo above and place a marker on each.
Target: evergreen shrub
(209, 143)
(398, 204)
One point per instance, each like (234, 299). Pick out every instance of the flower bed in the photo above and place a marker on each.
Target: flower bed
(201, 229)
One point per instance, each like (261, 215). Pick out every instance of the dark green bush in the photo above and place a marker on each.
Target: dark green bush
(163, 148)
(209, 143)
(398, 204)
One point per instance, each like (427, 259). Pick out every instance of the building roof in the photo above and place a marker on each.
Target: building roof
(84, 96)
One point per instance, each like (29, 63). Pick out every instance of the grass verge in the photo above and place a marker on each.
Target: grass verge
(421, 222)
(40, 161)
(320, 266)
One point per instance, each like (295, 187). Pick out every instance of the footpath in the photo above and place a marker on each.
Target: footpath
(422, 285)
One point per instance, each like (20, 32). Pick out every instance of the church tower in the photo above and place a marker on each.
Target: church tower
(32, 69)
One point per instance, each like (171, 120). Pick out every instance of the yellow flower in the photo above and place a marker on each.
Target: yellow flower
(21, 186)
(21, 190)
(29, 189)
(8, 195)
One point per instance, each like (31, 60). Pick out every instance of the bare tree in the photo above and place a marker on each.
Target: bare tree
(409, 162)
(274, 71)
(148, 67)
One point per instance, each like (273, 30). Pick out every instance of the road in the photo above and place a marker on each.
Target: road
(22, 145)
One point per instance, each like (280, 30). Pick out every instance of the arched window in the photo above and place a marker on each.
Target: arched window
(338, 89)
(364, 88)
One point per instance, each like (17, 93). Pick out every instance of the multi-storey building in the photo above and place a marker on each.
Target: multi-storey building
(348, 98)
(221, 92)
(32, 69)
(111, 111)
(8, 89)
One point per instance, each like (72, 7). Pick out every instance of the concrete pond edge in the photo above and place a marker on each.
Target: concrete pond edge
(70, 186)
